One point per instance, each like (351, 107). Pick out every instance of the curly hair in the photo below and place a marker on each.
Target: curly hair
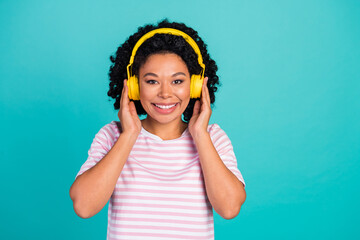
(161, 43)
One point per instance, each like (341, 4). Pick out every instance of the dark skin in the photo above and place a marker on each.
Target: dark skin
(91, 191)
(226, 193)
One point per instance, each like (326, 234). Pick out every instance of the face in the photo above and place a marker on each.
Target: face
(164, 82)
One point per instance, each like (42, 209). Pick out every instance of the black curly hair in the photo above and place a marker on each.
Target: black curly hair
(161, 43)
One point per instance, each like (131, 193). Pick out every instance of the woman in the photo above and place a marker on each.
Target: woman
(165, 173)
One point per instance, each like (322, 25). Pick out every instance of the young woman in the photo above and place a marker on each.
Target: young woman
(164, 174)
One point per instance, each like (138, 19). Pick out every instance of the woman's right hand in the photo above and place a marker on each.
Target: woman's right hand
(130, 121)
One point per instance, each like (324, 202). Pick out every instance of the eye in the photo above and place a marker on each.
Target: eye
(151, 81)
(178, 81)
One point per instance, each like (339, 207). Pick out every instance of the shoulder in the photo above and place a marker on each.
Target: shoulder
(217, 134)
(115, 126)
(215, 129)
(107, 135)
(111, 129)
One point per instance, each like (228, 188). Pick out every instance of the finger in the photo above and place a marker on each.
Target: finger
(122, 92)
(124, 95)
(132, 108)
(205, 96)
(196, 109)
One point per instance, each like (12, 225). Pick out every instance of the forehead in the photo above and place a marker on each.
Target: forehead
(164, 62)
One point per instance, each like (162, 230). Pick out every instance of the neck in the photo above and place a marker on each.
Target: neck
(164, 131)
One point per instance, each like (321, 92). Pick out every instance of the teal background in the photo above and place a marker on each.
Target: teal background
(289, 102)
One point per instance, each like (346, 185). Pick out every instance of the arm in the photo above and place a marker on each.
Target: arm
(226, 193)
(91, 190)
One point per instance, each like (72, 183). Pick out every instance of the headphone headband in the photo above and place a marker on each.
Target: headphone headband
(171, 31)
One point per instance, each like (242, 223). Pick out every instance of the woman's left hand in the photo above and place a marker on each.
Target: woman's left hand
(202, 112)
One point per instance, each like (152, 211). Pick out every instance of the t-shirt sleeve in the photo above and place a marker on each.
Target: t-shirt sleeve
(101, 145)
(225, 150)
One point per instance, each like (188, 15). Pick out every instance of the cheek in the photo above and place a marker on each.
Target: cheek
(145, 93)
(184, 93)
(145, 96)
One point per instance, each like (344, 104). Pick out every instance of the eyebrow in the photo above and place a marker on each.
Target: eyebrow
(174, 75)
(178, 73)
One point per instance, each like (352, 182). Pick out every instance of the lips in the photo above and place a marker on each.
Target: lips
(165, 105)
(163, 108)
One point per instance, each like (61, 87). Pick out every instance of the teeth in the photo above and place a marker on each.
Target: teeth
(165, 106)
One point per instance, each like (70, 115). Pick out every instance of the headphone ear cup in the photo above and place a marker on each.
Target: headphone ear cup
(196, 83)
(133, 86)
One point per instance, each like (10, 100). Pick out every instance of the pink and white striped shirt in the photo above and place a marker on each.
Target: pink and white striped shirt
(160, 193)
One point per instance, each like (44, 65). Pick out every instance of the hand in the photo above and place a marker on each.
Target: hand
(201, 114)
(130, 121)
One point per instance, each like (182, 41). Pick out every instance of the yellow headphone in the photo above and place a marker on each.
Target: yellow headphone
(196, 81)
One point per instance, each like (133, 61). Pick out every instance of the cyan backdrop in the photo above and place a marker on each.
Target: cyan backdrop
(289, 102)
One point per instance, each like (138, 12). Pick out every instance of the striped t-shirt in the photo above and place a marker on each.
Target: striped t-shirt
(160, 193)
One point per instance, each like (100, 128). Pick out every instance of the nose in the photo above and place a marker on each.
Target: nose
(165, 90)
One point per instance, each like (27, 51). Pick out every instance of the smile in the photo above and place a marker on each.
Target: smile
(165, 106)
(165, 109)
